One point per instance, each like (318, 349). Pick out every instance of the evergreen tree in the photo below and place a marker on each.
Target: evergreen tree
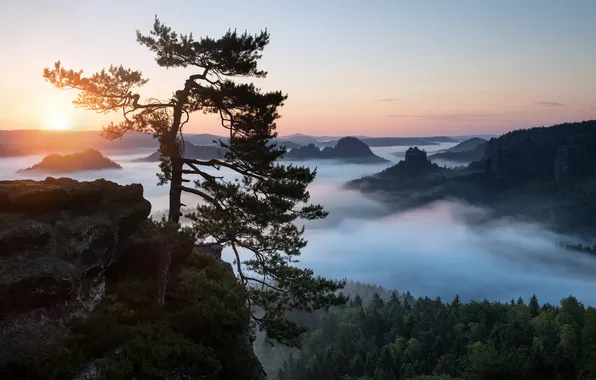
(475, 340)
(534, 306)
(254, 215)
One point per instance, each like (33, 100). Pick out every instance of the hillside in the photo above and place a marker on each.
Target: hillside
(541, 174)
(462, 156)
(400, 337)
(414, 171)
(90, 159)
(466, 145)
(347, 149)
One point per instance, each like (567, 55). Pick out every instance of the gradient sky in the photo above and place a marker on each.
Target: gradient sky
(376, 67)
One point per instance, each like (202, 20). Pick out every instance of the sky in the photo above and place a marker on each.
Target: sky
(377, 67)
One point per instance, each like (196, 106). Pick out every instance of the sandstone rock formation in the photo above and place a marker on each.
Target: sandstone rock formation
(57, 237)
(90, 159)
(347, 149)
(416, 158)
(75, 257)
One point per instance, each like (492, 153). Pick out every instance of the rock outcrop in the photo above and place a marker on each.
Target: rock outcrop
(416, 158)
(347, 149)
(57, 237)
(90, 159)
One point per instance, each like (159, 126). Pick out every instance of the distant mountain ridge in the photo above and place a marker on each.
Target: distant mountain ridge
(465, 152)
(466, 145)
(40, 141)
(10, 151)
(347, 149)
(191, 150)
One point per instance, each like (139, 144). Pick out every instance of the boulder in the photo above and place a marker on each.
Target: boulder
(57, 237)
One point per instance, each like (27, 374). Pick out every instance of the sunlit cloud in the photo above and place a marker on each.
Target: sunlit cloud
(385, 100)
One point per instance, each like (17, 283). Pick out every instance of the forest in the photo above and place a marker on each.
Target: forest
(399, 337)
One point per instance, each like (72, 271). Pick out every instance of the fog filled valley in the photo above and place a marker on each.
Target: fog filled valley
(405, 191)
(438, 249)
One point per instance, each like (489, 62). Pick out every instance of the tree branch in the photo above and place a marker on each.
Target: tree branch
(214, 162)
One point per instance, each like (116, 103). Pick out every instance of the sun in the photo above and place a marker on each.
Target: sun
(57, 122)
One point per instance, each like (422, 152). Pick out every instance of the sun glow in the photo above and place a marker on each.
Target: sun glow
(57, 122)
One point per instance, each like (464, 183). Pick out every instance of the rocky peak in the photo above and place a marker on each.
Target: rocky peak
(351, 147)
(416, 157)
(57, 237)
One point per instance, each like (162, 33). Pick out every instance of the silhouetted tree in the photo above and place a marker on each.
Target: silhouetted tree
(256, 213)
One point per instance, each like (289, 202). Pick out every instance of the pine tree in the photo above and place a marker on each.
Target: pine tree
(254, 215)
(534, 306)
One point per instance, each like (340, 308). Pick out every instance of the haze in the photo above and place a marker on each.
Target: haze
(392, 68)
(429, 251)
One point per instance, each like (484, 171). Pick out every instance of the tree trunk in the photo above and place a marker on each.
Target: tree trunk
(163, 275)
(175, 190)
(174, 213)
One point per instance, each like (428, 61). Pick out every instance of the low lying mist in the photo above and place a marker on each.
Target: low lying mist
(436, 250)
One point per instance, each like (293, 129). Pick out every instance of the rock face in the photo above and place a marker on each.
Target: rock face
(90, 159)
(347, 149)
(57, 237)
(570, 163)
(416, 157)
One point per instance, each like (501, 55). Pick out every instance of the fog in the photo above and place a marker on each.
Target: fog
(434, 250)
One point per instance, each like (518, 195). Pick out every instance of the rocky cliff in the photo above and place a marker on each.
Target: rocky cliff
(57, 237)
(78, 265)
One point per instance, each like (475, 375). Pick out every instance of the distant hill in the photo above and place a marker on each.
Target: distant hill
(11, 151)
(414, 169)
(405, 141)
(347, 149)
(191, 151)
(90, 159)
(545, 175)
(204, 138)
(38, 141)
(324, 141)
(464, 157)
(465, 152)
(466, 145)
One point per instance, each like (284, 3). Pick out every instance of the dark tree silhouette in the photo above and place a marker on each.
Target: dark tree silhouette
(255, 214)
